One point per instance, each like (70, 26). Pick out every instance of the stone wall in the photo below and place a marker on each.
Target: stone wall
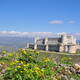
(53, 48)
(31, 46)
(41, 47)
(72, 49)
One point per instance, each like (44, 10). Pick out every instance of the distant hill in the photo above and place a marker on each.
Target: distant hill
(17, 42)
(14, 42)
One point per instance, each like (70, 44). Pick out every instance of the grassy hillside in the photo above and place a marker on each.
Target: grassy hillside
(38, 65)
(75, 58)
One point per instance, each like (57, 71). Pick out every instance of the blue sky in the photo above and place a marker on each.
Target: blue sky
(40, 15)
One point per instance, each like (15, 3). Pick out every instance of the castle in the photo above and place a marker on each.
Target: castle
(64, 43)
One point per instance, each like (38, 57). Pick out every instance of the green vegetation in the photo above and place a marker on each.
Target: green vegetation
(34, 65)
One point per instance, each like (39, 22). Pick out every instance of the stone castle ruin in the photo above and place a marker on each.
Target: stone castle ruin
(64, 43)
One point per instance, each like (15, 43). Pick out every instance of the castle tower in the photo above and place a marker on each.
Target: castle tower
(64, 39)
(46, 43)
(35, 42)
(69, 43)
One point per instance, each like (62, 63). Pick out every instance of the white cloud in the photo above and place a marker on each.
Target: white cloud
(34, 34)
(56, 22)
(61, 33)
(71, 22)
(26, 34)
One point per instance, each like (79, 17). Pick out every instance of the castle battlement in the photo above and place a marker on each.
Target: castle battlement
(64, 43)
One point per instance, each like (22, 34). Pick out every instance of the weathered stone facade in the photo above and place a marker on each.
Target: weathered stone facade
(65, 43)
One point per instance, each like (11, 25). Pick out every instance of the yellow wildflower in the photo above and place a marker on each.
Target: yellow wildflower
(4, 52)
(19, 66)
(21, 71)
(31, 70)
(37, 52)
(25, 69)
(46, 60)
(42, 70)
(28, 65)
(32, 51)
(24, 65)
(37, 68)
(70, 58)
(24, 51)
(2, 62)
(13, 63)
(10, 55)
(30, 56)
(21, 62)
(16, 61)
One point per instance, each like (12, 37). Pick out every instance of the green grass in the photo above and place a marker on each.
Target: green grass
(55, 56)
(58, 56)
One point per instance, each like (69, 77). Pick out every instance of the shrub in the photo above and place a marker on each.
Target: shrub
(28, 67)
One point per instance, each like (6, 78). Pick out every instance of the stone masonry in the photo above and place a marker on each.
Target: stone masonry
(64, 43)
